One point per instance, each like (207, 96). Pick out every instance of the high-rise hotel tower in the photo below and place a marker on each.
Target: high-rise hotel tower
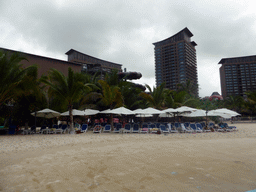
(238, 75)
(175, 61)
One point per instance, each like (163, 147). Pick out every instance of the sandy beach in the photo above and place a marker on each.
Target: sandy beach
(130, 162)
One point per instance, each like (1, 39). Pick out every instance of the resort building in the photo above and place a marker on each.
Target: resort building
(237, 75)
(175, 61)
(91, 64)
(77, 61)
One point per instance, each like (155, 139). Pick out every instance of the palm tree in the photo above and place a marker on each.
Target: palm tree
(111, 96)
(155, 98)
(68, 89)
(234, 103)
(11, 75)
(189, 87)
(250, 103)
(130, 93)
(31, 94)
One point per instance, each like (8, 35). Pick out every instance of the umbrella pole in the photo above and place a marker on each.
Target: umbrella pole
(206, 119)
(35, 116)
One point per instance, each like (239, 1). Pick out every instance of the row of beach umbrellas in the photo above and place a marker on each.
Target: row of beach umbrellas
(182, 111)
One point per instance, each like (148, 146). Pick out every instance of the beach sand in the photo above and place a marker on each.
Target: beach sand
(130, 162)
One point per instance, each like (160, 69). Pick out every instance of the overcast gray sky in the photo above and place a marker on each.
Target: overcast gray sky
(123, 31)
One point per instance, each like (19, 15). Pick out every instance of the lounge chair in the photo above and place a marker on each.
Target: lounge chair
(127, 128)
(199, 128)
(107, 128)
(52, 130)
(117, 128)
(144, 130)
(221, 127)
(64, 128)
(229, 128)
(154, 130)
(203, 124)
(177, 125)
(185, 129)
(193, 127)
(58, 129)
(163, 129)
(97, 129)
(144, 125)
(32, 130)
(187, 125)
(84, 128)
(172, 128)
(44, 130)
(135, 128)
(12, 129)
(211, 125)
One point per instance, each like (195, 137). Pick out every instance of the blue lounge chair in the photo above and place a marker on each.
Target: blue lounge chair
(172, 128)
(32, 130)
(12, 129)
(193, 126)
(177, 125)
(135, 128)
(64, 128)
(199, 128)
(43, 129)
(58, 129)
(84, 128)
(229, 128)
(221, 127)
(97, 129)
(127, 128)
(163, 129)
(117, 128)
(185, 129)
(107, 128)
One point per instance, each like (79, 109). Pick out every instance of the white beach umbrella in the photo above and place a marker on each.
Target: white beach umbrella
(169, 110)
(225, 113)
(107, 111)
(46, 113)
(138, 111)
(75, 112)
(197, 113)
(143, 115)
(184, 109)
(91, 112)
(166, 115)
(151, 111)
(122, 111)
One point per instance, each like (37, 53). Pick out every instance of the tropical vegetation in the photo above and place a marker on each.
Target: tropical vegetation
(22, 91)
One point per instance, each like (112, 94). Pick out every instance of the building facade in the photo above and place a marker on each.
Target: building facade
(237, 75)
(77, 61)
(91, 64)
(175, 61)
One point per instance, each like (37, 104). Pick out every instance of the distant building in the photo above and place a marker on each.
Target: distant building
(91, 64)
(215, 96)
(175, 60)
(76, 60)
(237, 75)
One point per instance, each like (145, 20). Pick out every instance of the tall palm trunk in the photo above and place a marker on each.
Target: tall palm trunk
(111, 121)
(72, 131)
